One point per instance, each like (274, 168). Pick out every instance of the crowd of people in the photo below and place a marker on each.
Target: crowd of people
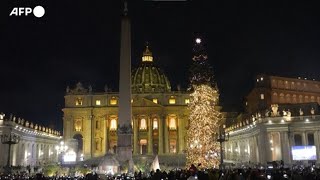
(193, 173)
(298, 173)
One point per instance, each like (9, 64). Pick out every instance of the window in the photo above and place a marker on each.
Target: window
(172, 100)
(155, 101)
(155, 123)
(310, 139)
(98, 102)
(298, 140)
(77, 125)
(143, 124)
(261, 96)
(113, 125)
(187, 101)
(172, 124)
(113, 101)
(79, 102)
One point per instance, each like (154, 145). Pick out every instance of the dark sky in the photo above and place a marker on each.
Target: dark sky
(78, 40)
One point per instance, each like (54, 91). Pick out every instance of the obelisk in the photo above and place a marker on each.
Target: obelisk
(124, 147)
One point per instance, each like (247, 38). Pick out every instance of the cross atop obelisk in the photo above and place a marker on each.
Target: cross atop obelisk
(124, 149)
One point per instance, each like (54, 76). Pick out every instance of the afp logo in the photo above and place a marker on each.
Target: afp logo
(38, 11)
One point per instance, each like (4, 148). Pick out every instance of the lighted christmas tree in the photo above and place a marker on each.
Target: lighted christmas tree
(204, 119)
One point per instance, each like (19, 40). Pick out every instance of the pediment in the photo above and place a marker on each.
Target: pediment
(143, 102)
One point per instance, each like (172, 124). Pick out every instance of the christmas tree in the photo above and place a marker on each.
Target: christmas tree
(204, 119)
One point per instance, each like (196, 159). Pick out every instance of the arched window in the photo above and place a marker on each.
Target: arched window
(172, 124)
(143, 124)
(275, 98)
(299, 86)
(287, 85)
(113, 125)
(292, 85)
(280, 84)
(313, 99)
(305, 86)
(281, 99)
(288, 99)
(300, 99)
(155, 123)
(294, 98)
(274, 83)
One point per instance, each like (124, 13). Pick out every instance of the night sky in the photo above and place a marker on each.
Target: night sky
(78, 40)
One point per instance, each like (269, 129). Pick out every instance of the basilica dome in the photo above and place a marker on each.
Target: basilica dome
(148, 77)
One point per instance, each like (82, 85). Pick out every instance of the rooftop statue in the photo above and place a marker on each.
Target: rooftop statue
(274, 108)
(312, 111)
(300, 112)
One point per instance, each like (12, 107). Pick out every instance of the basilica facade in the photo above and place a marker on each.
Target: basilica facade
(159, 115)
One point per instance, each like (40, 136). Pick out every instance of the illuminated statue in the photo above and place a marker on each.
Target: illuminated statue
(312, 111)
(300, 112)
(288, 113)
(274, 108)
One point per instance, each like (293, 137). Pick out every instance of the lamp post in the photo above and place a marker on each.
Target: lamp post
(10, 139)
(221, 137)
(61, 149)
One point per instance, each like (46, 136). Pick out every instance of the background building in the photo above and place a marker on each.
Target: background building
(281, 90)
(36, 145)
(282, 114)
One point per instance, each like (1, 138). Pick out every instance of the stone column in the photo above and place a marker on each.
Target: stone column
(304, 138)
(285, 148)
(135, 135)
(180, 135)
(317, 144)
(106, 125)
(166, 136)
(150, 138)
(160, 124)
(263, 148)
(256, 149)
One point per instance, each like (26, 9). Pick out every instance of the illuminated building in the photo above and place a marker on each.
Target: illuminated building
(36, 145)
(265, 139)
(159, 115)
(282, 115)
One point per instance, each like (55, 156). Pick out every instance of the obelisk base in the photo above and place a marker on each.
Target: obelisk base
(124, 149)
